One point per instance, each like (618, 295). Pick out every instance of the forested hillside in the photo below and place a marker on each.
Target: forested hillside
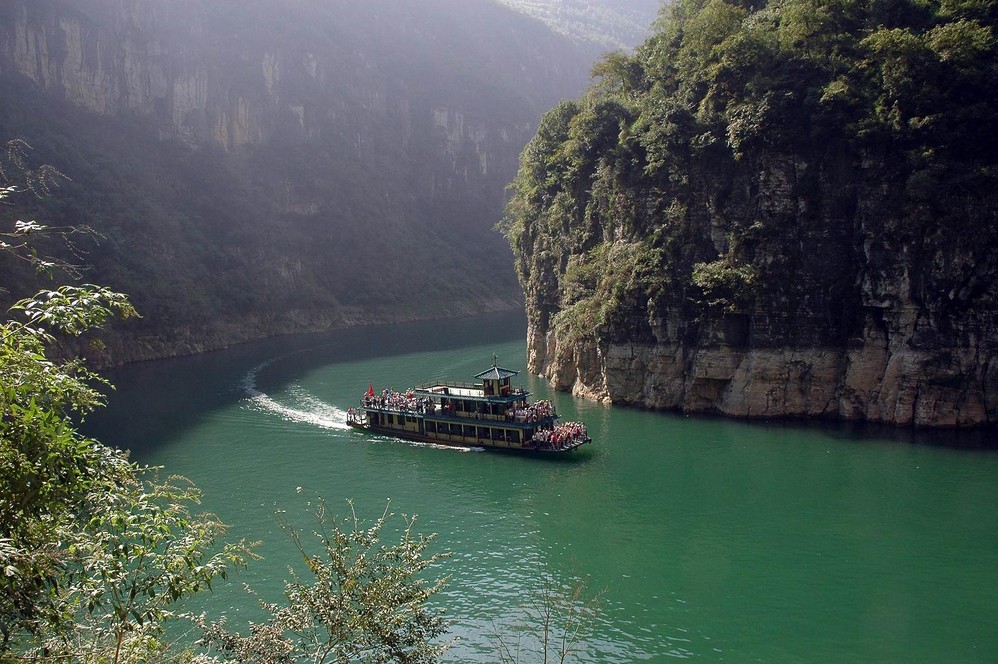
(263, 167)
(775, 209)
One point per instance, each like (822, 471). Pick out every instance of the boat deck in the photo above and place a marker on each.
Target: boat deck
(469, 392)
(443, 415)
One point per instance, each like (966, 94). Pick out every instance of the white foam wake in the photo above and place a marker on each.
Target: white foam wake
(307, 409)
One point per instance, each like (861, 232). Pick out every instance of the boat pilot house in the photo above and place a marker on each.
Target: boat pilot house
(491, 413)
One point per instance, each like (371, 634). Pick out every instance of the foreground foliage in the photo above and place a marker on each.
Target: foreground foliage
(555, 621)
(360, 600)
(94, 552)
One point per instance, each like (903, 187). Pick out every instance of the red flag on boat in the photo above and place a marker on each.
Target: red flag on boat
(370, 390)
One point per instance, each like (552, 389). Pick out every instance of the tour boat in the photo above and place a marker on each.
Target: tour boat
(490, 414)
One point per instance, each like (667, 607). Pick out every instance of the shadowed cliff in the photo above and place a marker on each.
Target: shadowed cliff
(774, 210)
(256, 168)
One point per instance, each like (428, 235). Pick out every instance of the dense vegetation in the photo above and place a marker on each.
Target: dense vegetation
(788, 166)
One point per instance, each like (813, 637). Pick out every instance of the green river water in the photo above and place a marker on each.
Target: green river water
(709, 539)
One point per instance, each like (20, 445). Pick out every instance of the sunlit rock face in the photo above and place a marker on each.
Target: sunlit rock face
(290, 166)
(206, 76)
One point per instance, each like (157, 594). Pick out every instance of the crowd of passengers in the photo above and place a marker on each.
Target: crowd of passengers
(532, 413)
(402, 401)
(408, 402)
(566, 434)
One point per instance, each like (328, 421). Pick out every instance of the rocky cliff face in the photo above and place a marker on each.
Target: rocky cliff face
(290, 165)
(760, 218)
(858, 318)
(222, 74)
(897, 354)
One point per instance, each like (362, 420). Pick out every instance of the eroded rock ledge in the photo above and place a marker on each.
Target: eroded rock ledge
(871, 382)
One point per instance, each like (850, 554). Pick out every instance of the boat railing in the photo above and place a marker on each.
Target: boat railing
(439, 388)
(373, 403)
(419, 401)
(444, 389)
(356, 416)
(438, 411)
(567, 435)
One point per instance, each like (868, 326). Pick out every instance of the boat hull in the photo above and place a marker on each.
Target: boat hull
(451, 442)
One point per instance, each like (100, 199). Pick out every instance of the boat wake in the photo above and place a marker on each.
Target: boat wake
(306, 409)
(437, 446)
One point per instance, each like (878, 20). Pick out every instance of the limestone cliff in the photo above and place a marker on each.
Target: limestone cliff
(908, 348)
(769, 230)
(266, 167)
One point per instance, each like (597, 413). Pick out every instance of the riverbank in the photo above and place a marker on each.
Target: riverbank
(128, 342)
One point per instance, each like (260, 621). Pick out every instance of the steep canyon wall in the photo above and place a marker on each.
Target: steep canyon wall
(763, 213)
(290, 165)
(858, 318)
